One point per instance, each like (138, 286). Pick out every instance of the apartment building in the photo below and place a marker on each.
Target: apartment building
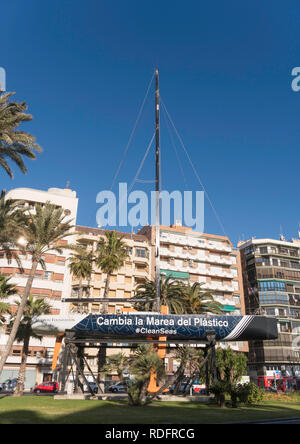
(271, 279)
(205, 258)
(122, 283)
(52, 285)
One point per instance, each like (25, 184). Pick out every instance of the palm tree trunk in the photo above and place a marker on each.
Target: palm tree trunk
(21, 377)
(106, 290)
(19, 316)
(80, 292)
(143, 392)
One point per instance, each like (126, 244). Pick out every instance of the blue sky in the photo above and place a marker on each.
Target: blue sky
(225, 77)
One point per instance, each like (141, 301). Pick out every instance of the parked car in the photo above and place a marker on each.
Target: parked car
(117, 388)
(93, 386)
(197, 388)
(9, 385)
(46, 387)
(182, 388)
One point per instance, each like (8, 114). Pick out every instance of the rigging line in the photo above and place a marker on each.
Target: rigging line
(175, 149)
(142, 163)
(194, 169)
(139, 170)
(132, 133)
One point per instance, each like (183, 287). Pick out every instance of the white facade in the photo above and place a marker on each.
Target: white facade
(54, 284)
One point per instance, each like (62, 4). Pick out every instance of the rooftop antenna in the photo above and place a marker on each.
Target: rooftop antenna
(282, 238)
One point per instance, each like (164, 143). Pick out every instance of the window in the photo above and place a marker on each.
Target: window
(47, 275)
(95, 308)
(249, 250)
(284, 264)
(263, 250)
(272, 285)
(16, 352)
(273, 299)
(270, 311)
(121, 278)
(295, 264)
(141, 252)
(237, 299)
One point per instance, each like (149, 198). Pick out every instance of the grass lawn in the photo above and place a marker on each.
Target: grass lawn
(46, 410)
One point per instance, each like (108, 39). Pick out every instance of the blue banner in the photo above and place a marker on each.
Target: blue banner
(227, 328)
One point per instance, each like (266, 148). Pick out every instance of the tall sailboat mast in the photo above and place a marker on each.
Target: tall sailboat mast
(157, 189)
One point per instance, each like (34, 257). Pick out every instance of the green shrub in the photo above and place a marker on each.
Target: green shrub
(250, 393)
(219, 389)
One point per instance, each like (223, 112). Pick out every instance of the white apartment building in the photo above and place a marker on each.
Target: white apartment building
(135, 269)
(53, 285)
(205, 258)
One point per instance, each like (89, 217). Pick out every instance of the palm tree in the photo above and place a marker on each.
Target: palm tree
(15, 144)
(44, 230)
(33, 309)
(144, 364)
(6, 289)
(111, 253)
(171, 295)
(199, 301)
(81, 264)
(11, 220)
(189, 358)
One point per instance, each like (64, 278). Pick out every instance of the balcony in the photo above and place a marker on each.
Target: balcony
(277, 273)
(194, 242)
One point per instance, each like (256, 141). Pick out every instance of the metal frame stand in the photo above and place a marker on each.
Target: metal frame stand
(74, 361)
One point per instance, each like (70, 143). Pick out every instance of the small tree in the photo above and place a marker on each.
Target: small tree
(43, 231)
(145, 362)
(111, 253)
(81, 265)
(140, 365)
(33, 309)
(117, 363)
(231, 366)
(191, 360)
